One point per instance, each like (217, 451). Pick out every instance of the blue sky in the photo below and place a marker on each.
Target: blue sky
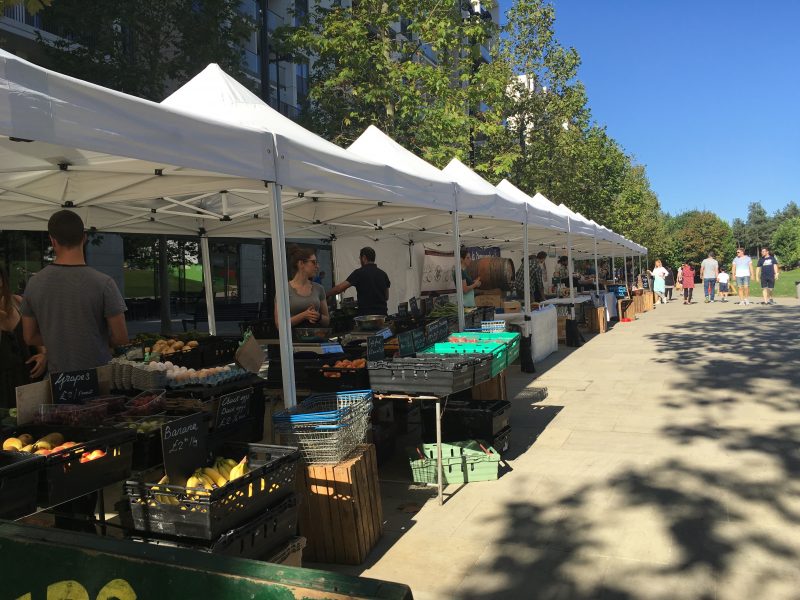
(705, 94)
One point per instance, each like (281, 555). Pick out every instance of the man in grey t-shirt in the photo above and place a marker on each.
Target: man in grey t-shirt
(709, 269)
(71, 309)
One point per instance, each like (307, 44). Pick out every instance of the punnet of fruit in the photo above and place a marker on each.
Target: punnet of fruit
(148, 402)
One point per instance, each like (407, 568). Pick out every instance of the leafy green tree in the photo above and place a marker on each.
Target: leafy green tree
(790, 211)
(786, 242)
(32, 6)
(365, 72)
(699, 232)
(143, 47)
(759, 228)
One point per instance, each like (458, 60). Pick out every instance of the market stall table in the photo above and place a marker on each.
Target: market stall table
(542, 328)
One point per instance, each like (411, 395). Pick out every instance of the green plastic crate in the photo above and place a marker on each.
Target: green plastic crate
(499, 352)
(510, 339)
(462, 462)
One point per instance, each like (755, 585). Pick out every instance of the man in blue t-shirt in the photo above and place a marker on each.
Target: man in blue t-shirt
(767, 273)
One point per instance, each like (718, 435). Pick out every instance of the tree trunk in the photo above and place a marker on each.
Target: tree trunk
(163, 284)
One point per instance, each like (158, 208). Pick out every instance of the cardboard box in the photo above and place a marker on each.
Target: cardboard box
(489, 300)
(493, 389)
(512, 306)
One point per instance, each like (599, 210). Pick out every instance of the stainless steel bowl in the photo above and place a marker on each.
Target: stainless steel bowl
(370, 322)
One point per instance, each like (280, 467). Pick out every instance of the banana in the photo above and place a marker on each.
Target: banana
(240, 469)
(161, 497)
(194, 482)
(223, 467)
(208, 483)
(215, 476)
(230, 462)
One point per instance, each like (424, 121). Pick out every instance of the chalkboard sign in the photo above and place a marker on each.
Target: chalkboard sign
(437, 330)
(233, 408)
(413, 306)
(402, 309)
(183, 442)
(375, 348)
(419, 339)
(645, 282)
(427, 305)
(406, 343)
(74, 387)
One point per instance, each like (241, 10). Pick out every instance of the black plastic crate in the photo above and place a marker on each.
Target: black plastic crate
(463, 420)
(256, 539)
(501, 441)
(439, 376)
(65, 477)
(263, 329)
(19, 479)
(207, 517)
(335, 379)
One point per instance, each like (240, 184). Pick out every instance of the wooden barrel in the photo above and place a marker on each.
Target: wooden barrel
(494, 273)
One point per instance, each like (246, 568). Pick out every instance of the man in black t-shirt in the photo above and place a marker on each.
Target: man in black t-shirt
(371, 283)
(766, 274)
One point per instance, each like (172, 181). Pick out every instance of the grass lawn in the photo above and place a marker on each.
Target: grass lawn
(783, 287)
(139, 282)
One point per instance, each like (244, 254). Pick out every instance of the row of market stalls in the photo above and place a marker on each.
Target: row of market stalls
(214, 160)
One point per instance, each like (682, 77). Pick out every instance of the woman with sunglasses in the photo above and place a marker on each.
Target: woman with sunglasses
(307, 305)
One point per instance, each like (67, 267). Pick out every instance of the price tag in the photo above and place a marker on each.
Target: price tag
(406, 343)
(419, 339)
(375, 348)
(74, 387)
(413, 306)
(233, 408)
(184, 445)
(438, 330)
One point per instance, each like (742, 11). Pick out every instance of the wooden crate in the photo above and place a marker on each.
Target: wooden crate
(493, 389)
(489, 300)
(341, 514)
(596, 319)
(649, 304)
(638, 303)
(626, 309)
(561, 329)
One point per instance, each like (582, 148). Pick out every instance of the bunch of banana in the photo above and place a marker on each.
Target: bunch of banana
(224, 466)
(242, 468)
(163, 499)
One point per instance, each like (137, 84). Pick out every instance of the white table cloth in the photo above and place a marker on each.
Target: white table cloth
(543, 329)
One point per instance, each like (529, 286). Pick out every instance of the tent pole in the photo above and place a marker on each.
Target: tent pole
(526, 266)
(457, 272)
(569, 267)
(625, 268)
(281, 273)
(208, 284)
(596, 269)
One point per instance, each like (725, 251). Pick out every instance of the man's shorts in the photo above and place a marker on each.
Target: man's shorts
(723, 287)
(767, 283)
(745, 281)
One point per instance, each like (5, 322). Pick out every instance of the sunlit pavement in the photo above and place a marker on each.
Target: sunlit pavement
(661, 465)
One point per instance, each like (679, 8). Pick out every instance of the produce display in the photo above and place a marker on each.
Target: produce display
(359, 363)
(146, 403)
(204, 479)
(448, 309)
(171, 346)
(48, 444)
(143, 425)
(71, 415)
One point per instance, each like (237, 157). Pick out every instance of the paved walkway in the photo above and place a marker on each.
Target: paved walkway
(661, 465)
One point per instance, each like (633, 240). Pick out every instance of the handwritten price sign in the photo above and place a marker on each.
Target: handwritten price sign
(184, 444)
(233, 408)
(74, 387)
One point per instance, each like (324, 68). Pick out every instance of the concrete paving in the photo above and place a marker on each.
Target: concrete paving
(661, 465)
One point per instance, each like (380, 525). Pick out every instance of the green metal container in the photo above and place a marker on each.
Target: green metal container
(462, 462)
(499, 352)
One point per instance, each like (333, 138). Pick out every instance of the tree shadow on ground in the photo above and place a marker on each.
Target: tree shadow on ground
(681, 526)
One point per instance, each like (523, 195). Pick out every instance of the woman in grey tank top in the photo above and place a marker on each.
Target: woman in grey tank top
(307, 303)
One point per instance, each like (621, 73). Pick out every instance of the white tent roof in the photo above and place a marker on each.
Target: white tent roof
(305, 161)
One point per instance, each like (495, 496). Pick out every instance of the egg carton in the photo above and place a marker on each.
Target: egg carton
(146, 378)
(232, 374)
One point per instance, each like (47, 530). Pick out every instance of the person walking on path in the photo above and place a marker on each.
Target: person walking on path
(767, 272)
(742, 269)
(723, 278)
(659, 274)
(686, 278)
(669, 284)
(709, 269)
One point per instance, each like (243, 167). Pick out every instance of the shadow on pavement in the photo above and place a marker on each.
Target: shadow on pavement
(675, 527)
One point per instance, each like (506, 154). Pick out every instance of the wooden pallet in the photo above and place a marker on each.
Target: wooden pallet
(341, 514)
